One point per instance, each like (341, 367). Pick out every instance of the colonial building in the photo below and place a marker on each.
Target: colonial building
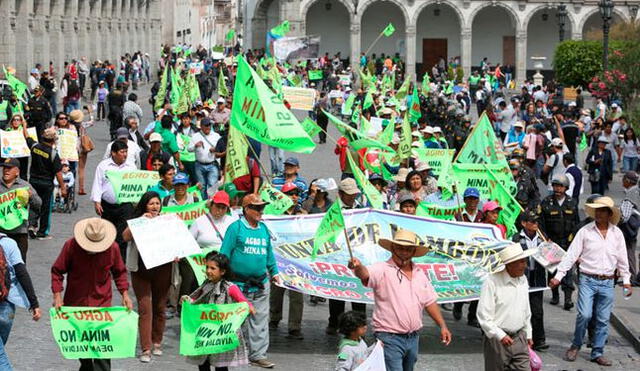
(507, 32)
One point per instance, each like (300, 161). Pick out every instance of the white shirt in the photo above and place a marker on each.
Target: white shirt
(572, 182)
(504, 305)
(206, 235)
(33, 82)
(203, 155)
(133, 153)
(597, 255)
(102, 188)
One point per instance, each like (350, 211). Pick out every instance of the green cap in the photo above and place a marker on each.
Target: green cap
(231, 190)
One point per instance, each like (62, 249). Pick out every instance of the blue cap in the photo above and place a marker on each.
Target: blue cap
(181, 178)
(292, 161)
(375, 176)
(471, 192)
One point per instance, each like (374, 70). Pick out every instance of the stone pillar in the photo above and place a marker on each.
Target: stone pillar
(24, 50)
(71, 31)
(521, 56)
(41, 34)
(466, 43)
(7, 33)
(56, 38)
(355, 44)
(155, 31)
(576, 35)
(410, 45)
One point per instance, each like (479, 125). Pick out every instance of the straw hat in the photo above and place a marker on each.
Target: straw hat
(76, 115)
(514, 252)
(598, 203)
(94, 234)
(406, 238)
(402, 175)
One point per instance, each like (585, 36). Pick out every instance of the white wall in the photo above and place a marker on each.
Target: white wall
(489, 26)
(446, 25)
(332, 26)
(375, 18)
(543, 37)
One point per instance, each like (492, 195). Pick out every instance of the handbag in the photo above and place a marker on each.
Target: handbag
(86, 144)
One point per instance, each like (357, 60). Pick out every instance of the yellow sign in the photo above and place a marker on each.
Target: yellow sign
(68, 144)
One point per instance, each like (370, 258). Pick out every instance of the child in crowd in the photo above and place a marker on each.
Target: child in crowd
(352, 350)
(69, 181)
(217, 290)
(102, 99)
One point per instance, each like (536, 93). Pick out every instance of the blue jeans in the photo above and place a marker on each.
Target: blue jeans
(400, 350)
(629, 164)
(276, 156)
(595, 298)
(7, 313)
(207, 176)
(72, 105)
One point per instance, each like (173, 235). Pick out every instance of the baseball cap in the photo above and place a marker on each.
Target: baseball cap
(530, 216)
(155, 137)
(348, 186)
(205, 122)
(406, 197)
(290, 186)
(221, 197)
(471, 192)
(181, 178)
(221, 100)
(491, 206)
(122, 133)
(10, 162)
(252, 199)
(377, 177)
(292, 161)
(556, 142)
(35, 70)
(231, 190)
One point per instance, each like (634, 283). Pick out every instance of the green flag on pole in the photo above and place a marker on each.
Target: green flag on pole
(347, 107)
(583, 142)
(386, 135)
(330, 227)
(414, 110)
(372, 194)
(236, 162)
(511, 209)
(162, 91)
(482, 146)
(281, 30)
(404, 149)
(310, 127)
(222, 85)
(18, 87)
(389, 30)
(426, 84)
(403, 91)
(278, 201)
(368, 100)
(230, 34)
(262, 115)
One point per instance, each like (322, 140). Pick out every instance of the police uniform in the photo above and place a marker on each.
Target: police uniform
(527, 193)
(38, 114)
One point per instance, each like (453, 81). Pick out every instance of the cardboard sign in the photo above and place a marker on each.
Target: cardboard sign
(300, 98)
(68, 144)
(13, 144)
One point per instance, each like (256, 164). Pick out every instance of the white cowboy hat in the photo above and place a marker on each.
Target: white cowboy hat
(513, 252)
(601, 202)
(406, 238)
(402, 175)
(94, 234)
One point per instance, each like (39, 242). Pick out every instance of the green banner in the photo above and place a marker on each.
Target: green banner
(261, 114)
(310, 127)
(278, 201)
(236, 162)
(281, 29)
(198, 264)
(90, 332)
(14, 210)
(477, 176)
(511, 209)
(404, 148)
(162, 91)
(189, 212)
(183, 144)
(315, 75)
(414, 110)
(222, 85)
(331, 226)
(482, 146)
(372, 194)
(210, 328)
(130, 185)
(436, 158)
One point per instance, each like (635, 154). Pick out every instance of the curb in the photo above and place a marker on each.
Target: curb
(620, 322)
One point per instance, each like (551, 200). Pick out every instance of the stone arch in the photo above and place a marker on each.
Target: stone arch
(363, 7)
(425, 4)
(379, 15)
(485, 4)
(307, 4)
(529, 15)
(331, 24)
(583, 20)
(260, 22)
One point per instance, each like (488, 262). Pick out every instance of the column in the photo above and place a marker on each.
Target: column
(71, 31)
(155, 31)
(466, 43)
(521, 56)
(410, 45)
(355, 44)
(95, 28)
(24, 40)
(7, 34)
(41, 36)
(56, 40)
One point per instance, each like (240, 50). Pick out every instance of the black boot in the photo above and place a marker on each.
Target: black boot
(568, 303)
(555, 296)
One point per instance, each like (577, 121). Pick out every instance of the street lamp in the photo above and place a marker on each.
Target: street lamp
(562, 20)
(606, 10)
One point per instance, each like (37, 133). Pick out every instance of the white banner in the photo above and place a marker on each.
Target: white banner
(294, 48)
(162, 239)
(300, 98)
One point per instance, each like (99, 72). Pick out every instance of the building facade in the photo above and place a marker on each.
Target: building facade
(506, 32)
(43, 31)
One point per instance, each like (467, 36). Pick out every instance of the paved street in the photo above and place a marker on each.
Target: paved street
(31, 346)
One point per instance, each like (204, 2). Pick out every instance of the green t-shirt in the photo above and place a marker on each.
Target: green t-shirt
(169, 142)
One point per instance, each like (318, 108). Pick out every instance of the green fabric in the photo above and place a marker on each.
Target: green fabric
(278, 201)
(403, 91)
(199, 265)
(13, 212)
(583, 142)
(386, 135)
(404, 148)
(310, 127)
(388, 31)
(426, 80)
(347, 109)
(187, 213)
(185, 155)
(434, 210)
(281, 30)
(102, 333)
(161, 190)
(330, 227)
(511, 209)
(372, 194)
(262, 115)
(230, 34)
(169, 141)
(315, 75)
(18, 87)
(130, 185)
(368, 100)
(414, 110)
(222, 86)
(162, 91)
(236, 161)
(482, 146)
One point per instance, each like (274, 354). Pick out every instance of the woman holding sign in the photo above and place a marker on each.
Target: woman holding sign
(18, 123)
(151, 286)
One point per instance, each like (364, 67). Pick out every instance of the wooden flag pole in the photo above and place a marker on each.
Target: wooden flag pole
(373, 43)
(346, 237)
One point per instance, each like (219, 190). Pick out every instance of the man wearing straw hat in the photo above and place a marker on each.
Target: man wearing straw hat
(504, 314)
(401, 291)
(600, 248)
(90, 260)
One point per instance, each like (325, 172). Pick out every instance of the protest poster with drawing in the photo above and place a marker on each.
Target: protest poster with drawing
(162, 239)
(549, 255)
(13, 144)
(68, 144)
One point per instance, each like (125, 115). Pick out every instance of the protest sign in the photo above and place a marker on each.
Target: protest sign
(262, 115)
(196, 68)
(278, 201)
(477, 176)
(210, 328)
(315, 75)
(187, 213)
(68, 144)
(91, 332)
(375, 361)
(13, 208)
(162, 239)
(440, 210)
(344, 80)
(236, 163)
(294, 48)
(549, 255)
(335, 94)
(300, 98)
(13, 144)
(460, 254)
(32, 133)
(199, 265)
(130, 185)
(436, 158)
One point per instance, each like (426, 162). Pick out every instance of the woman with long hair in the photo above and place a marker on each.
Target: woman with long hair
(630, 151)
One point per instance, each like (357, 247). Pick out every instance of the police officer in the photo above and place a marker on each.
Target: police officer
(38, 111)
(5, 112)
(559, 220)
(527, 193)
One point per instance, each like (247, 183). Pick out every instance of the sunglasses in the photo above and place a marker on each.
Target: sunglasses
(62, 118)
(292, 193)
(258, 208)
(17, 119)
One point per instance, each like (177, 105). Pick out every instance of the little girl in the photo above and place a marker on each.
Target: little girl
(352, 350)
(217, 290)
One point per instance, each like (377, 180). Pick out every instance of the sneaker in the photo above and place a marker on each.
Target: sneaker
(295, 335)
(145, 357)
(157, 350)
(32, 232)
(42, 236)
(264, 363)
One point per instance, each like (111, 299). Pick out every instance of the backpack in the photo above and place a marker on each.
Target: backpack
(5, 284)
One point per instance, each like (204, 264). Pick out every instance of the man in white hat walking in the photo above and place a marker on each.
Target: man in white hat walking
(601, 249)
(401, 292)
(504, 314)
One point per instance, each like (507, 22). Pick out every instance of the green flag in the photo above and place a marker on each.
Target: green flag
(437, 211)
(343, 128)
(210, 328)
(414, 110)
(449, 88)
(130, 185)
(347, 107)
(404, 149)
(262, 115)
(403, 91)
(14, 209)
(236, 162)
(368, 100)
(388, 31)
(176, 88)
(162, 91)
(93, 332)
(315, 75)
(222, 85)
(583, 142)
(330, 227)
(386, 135)
(310, 127)
(18, 87)
(426, 81)
(199, 265)
(355, 116)
(188, 213)
(511, 209)
(361, 143)
(278, 201)
(230, 34)
(295, 80)
(372, 194)
(281, 30)
(482, 146)
(193, 89)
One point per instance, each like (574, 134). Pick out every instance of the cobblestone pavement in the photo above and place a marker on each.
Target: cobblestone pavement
(31, 346)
